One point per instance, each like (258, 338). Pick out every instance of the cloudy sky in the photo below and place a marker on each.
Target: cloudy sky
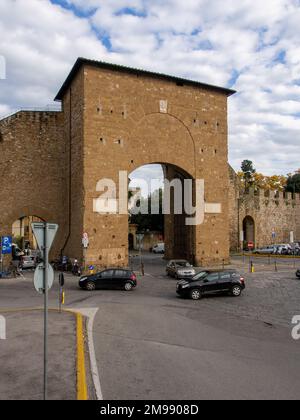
(252, 46)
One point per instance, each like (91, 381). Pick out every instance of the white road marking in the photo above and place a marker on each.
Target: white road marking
(90, 313)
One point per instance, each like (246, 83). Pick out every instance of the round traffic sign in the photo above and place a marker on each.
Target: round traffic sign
(85, 240)
(38, 280)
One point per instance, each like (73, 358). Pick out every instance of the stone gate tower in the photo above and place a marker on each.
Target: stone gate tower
(116, 119)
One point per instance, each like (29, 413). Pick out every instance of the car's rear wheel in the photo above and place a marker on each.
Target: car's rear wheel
(236, 291)
(90, 286)
(128, 286)
(195, 294)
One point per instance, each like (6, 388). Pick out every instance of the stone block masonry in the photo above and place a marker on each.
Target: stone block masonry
(117, 119)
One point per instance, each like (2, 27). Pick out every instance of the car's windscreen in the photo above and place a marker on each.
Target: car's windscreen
(183, 264)
(200, 275)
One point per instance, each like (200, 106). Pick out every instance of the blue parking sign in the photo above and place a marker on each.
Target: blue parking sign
(6, 245)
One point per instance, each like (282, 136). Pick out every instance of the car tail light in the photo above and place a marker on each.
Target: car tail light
(242, 280)
(133, 277)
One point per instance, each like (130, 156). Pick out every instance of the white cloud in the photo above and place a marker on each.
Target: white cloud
(248, 45)
(151, 174)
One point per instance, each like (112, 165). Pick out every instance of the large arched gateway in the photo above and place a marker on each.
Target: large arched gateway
(115, 119)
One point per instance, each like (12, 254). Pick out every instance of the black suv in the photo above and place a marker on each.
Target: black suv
(112, 278)
(211, 282)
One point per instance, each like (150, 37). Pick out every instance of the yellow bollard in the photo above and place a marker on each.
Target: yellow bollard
(63, 298)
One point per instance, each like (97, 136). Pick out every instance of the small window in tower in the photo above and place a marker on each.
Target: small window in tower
(119, 142)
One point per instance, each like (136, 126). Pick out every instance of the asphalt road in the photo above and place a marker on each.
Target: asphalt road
(21, 357)
(150, 344)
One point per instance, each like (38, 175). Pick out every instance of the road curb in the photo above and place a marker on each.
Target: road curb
(273, 256)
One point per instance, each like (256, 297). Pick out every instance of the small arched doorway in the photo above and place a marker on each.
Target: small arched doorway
(22, 234)
(131, 241)
(249, 230)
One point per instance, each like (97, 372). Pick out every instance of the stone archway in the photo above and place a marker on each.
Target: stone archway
(27, 212)
(249, 230)
(169, 217)
(109, 233)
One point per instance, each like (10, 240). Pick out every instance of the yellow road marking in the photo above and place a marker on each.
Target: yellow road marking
(82, 394)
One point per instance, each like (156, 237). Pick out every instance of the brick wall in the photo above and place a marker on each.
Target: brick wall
(73, 108)
(32, 169)
(270, 211)
(130, 121)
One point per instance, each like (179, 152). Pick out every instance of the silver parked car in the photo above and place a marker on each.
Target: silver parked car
(27, 262)
(265, 250)
(180, 269)
(283, 249)
(159, 248)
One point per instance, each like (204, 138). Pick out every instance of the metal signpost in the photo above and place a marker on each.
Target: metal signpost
(273, 243)
(292, 241)
(44, 234)
(38, 280)
(85, 244)
(140, 237)
(61, 296)
(241, 240)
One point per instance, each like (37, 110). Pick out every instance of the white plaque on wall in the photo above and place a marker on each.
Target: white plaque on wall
(163, 106)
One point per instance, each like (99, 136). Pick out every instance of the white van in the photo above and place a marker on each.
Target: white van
(159, 248)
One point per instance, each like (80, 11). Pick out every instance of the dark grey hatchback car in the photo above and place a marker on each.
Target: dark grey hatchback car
(112, 278)
(212, 282)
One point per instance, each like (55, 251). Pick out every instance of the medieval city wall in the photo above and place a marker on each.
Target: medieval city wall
(271, 211)
(32, 169)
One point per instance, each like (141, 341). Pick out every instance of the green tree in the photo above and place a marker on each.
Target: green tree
(154, 222)
(248, 173)
(293, 183)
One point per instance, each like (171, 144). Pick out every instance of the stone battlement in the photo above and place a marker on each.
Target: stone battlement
(277, 196)
(30, 115)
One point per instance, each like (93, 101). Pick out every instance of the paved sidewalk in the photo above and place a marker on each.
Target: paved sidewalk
(21, 356)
